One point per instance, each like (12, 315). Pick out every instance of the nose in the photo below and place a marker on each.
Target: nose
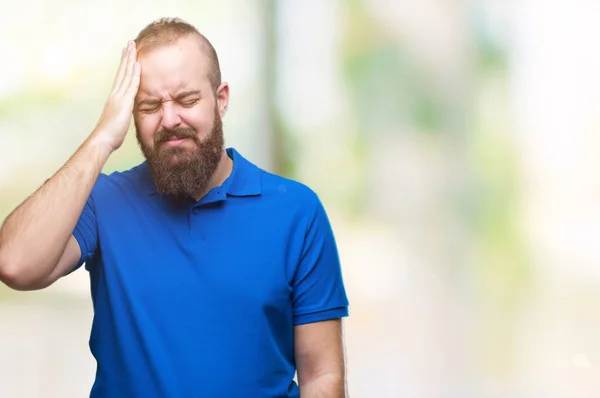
(170, 116)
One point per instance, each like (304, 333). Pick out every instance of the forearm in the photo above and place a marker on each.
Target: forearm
(35, 234)
(324, 386)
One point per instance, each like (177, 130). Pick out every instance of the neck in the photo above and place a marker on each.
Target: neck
(222, 172)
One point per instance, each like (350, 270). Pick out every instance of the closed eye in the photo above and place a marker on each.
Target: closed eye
(150, 110)
(189, 103)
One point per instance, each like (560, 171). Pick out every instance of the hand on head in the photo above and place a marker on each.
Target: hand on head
(116, 117)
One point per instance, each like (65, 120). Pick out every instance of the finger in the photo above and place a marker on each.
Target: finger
(121, 70)
(134, 84)
(129, 58)
(128, 71)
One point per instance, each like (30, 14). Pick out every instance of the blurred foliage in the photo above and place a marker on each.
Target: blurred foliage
(283, 142)
(502, 274)
(496, 167)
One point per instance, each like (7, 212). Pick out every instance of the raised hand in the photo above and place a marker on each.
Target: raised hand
(116, 117)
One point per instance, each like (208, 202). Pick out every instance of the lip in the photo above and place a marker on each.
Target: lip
(174, 141)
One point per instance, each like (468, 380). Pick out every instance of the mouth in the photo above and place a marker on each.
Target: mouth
(175, 141)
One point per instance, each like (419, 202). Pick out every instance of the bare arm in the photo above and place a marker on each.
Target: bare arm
(36, 242)
(320, 359)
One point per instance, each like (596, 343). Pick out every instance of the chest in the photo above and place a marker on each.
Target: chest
(207, 255)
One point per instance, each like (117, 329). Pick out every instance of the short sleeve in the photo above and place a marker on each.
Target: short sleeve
(86, 232)
(318, 291)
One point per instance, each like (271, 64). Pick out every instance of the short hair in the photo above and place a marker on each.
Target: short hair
(168, 30)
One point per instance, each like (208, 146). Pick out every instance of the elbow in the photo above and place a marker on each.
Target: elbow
(8, 272)
(12, 274)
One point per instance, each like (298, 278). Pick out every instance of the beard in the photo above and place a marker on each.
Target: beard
(183, 172)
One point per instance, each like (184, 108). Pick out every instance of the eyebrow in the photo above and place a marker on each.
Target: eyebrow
(188, 93)
(179, 96)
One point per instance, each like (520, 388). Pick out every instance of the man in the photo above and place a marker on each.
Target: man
(209, 276)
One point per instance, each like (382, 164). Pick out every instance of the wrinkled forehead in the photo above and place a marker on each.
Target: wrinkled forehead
(172, 67)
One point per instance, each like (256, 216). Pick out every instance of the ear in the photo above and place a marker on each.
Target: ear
(222, 95)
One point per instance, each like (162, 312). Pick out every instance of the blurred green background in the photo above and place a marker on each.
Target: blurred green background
(454, 144)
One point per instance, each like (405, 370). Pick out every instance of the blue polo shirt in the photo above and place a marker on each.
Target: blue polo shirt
(200, 299)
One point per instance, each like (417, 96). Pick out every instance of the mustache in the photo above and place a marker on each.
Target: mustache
(167, 134)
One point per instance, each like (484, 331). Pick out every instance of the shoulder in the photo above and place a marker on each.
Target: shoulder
(134, 180)
(286, 197)
(288, 190)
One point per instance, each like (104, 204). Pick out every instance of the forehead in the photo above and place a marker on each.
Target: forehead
(173, 67)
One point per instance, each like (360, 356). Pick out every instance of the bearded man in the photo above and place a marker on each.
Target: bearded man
(209, 276)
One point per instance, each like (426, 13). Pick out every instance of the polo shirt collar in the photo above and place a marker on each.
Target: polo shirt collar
(244, 179)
